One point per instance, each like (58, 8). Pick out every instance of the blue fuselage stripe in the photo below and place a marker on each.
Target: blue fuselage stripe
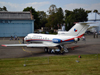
(49, 40)
(69, 41)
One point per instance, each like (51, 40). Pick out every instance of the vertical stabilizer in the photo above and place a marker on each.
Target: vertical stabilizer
(77, 30)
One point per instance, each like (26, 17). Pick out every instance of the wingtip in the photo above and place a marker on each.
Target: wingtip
(4, 45)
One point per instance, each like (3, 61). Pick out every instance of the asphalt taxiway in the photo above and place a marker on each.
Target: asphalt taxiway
(90, 46)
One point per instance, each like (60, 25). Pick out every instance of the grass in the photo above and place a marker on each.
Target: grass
(55, 65)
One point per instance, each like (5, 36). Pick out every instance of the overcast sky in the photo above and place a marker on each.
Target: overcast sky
(43, 5)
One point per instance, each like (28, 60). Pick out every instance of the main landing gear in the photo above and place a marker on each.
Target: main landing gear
(61, 49)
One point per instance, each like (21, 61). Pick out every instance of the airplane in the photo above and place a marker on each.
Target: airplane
(49, 41)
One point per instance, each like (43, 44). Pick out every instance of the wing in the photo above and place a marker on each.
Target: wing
(6, 45)
(32, 45)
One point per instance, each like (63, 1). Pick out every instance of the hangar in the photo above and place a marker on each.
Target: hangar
(93, 17)
(16, 23)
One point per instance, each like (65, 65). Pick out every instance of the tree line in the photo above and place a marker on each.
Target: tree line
(56, 17)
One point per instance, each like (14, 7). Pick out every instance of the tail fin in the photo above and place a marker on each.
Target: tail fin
(77, 30)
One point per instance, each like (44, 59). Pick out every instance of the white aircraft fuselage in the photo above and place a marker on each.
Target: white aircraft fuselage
(58, 39)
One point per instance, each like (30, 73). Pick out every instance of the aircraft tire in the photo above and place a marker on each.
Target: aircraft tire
(49, 51)
(46, 49)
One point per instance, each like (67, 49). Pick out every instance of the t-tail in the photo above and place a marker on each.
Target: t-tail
(77, 30)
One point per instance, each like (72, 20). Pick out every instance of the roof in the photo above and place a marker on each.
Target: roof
(92, 27)
(91, 17)
(5, 15)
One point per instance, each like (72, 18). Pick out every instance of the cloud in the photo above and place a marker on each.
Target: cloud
(85, 6)
(20, 7)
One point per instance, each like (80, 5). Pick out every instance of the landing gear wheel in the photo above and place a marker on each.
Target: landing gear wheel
(46, 49)
(49, 51)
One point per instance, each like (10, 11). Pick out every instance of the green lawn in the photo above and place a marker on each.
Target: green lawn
(53, 65)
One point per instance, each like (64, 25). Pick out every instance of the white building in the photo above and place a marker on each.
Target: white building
(92, 17)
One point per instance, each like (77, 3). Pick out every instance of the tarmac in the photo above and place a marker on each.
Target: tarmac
(89, 46)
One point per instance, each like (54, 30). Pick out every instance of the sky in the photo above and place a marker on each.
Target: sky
(43, 5)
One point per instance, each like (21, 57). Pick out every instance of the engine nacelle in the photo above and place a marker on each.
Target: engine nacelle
(55, 40)
(76, 39)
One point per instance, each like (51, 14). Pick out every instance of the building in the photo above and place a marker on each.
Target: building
(16, 23)
(93, 17)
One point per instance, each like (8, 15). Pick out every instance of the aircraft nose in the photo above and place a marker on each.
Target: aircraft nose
(25, 38)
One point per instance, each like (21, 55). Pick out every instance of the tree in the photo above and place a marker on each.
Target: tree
(95, 11)
(80, 15)
(3, 9)
(56, 17)
(60, 15)
(52, 9)
(36, 16)
(43, 18)
(88, 11)
(77, 15)
(67, 13)
(69, 21)
(52, 21)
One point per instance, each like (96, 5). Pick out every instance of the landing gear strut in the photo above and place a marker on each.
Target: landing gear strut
(64, 48)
